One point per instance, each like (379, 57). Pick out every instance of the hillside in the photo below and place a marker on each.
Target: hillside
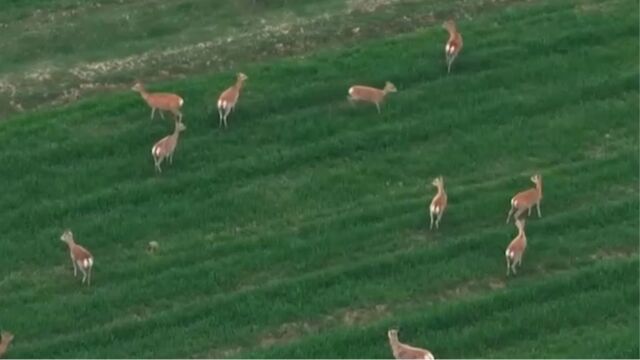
(301, 231)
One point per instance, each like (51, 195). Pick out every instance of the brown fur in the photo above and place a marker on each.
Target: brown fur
(161, 101)
(525, 200)
(81, 258)
(516, 248)
(438, 203)
(454, 43)
(370, 94)
(229, 98)
(404, 351)
(166, 146)
(5, 339)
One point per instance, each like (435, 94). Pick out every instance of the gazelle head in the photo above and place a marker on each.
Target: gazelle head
(392, 334)
(6, 337)
(389, 87)
(138, 87)
(537, 179)
(449, 25)
(242, 77)
(180, 126)
(438, 182)
(67, 236)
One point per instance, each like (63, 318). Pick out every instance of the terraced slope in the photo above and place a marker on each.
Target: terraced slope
(301, 231)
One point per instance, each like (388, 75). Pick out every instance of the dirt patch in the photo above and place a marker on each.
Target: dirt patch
(50, 85)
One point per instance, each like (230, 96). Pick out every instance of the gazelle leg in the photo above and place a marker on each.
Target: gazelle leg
(431, 226)
(529, 213)
(89, 277)
(378, 106)
(161, 114)
(171, 158)
(438, 219)
(351, 100)
(538, 208)
(153, 112)
(158, 162)
(510, 213)
(508, 265)
(518, 213)
(84, 274)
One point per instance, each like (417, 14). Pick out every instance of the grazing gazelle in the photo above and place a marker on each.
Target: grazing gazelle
(80, 257)
(404, 351)
(516, 248)
(166, 146)
(5, 339)
(160, 101)
(152, 247)
(439, 202)
(229, 98)
(370, 94)
(526, 199)
(454, 43)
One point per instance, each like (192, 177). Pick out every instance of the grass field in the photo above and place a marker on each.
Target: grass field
(301, 231)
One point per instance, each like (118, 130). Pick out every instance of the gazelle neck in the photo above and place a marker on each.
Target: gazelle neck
(539, 188)
(239, 84)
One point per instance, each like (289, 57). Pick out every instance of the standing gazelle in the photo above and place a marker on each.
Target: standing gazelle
(160, 101)
(166, 146)
(516, 248)
(439, 202)
(229, 98)
(454, 43)
(370, 94)
(404, 351)
(526, 199)
(80, 257)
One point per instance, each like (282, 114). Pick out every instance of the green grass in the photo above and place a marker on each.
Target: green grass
(301, 231)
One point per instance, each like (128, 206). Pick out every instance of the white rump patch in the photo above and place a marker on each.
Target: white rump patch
(507, 253)
(181, 102)
(514, 202)
(447, 47)
(90, 261)
(351, 91)
(222, 104)
(155, 151)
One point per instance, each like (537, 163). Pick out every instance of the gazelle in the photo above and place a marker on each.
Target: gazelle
(454, 43)
(370, 94)
(516, 248)
(166, 146)
(404, 351)
(153, 247)
(229, 98)
(160, 101)
(80, 257)
(526, 199)
(5, 339)
(439, 202)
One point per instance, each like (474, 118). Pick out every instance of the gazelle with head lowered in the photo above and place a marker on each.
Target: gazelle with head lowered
(229, 98)
(516, 248)
(5, 339)
(160, 101)
(404, 351)
(525, 200)
(370, 94)
(454, 43)
(166, 146)
(438, 203)
(81, 258)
